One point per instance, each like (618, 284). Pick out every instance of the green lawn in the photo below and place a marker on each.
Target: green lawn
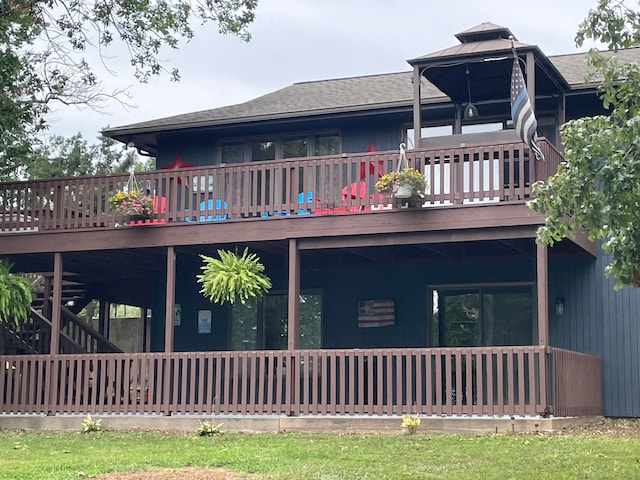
(324, 457)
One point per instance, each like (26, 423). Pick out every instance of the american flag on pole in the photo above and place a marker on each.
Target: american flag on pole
(376, 313)
(524, 120)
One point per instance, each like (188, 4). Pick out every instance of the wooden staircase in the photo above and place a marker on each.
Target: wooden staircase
(33, 336)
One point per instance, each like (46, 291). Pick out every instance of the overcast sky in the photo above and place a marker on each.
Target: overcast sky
(303, 40)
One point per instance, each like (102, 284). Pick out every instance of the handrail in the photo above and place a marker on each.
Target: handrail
(485, 172)
(86, 336)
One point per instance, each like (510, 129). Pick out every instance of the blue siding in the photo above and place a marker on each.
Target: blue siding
(600, 321)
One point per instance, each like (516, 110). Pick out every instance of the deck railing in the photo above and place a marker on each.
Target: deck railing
(321, 185)
(439, 381)
(577, 385)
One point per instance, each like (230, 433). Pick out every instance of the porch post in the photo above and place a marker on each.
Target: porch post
(417, 115)
(531, 79)
(103, 318)
(145, 312)
(170, 299)
(293, 305)
(542, 279)
(56, 303)
(46, 297)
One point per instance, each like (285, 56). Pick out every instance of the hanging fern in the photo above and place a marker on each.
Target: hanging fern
(233, 277)
(15, 294)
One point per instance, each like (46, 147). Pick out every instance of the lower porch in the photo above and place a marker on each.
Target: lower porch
(523, 382)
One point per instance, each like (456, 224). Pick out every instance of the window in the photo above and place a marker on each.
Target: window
(264, 326)
(282, 146)
(495, 315)
(295, 147)
(232, 152)
(263, 150)
(328, 144)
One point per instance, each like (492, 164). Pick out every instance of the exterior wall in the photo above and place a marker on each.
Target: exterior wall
(201, 149)
(600, 321)
(342, 288)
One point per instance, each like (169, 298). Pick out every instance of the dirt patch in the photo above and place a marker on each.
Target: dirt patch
(187, 473)
(606, 427)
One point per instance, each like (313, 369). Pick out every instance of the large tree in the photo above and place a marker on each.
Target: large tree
(74, 156)
(45, 58)
(597, 188)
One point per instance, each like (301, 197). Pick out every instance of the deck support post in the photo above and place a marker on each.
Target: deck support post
(103, 318)
(293, 303)
(417, 114)
(170, 299)
(531, 79)
(542, 282)
(56, 303)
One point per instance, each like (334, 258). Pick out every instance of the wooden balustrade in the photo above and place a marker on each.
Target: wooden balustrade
(440, 381)
(331, 184)
(577, 383)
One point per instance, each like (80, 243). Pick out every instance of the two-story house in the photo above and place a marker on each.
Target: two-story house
(443, 307)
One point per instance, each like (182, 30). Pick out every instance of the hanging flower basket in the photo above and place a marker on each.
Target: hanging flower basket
(133, 204)
(406, 183)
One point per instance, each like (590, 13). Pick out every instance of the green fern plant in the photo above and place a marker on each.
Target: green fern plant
(233, 277)
(90, 424)
(208, 429)
(15, 294)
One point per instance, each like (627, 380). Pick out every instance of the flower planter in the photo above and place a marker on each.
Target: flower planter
(403, 191)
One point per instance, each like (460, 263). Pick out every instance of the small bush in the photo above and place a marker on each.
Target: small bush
(208, 429)
(411, 423)
(90, 424)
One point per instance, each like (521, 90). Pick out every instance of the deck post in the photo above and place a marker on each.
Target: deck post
(56, 303)
(542, 282)
(531, 79)
(417, 114)
(170, 299)
(293, 305)
(103, 318)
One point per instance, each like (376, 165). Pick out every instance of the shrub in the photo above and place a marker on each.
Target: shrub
(90, 424)
(208, 429)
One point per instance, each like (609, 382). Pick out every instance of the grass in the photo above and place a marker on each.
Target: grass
(31, 455)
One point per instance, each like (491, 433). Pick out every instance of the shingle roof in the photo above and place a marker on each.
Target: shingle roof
(341, 95)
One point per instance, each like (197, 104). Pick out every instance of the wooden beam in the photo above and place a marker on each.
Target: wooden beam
(542, 284)
(56, 303)
(293, 307)
(417, 238)
(531, 79)
(169, 300)
(417, 106)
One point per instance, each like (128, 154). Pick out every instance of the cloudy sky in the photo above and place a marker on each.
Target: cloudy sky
(303, 40)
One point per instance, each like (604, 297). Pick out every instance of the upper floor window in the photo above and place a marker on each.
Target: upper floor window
(263, 150)
(232, 152)
(293, 146)
(328, 144)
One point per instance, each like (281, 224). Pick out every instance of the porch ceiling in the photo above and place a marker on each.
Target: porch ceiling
(126, 275)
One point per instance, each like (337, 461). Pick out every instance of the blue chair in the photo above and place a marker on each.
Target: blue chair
(308, 201)
(208, 205)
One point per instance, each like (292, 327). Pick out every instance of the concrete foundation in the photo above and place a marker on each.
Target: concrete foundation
(305, 424)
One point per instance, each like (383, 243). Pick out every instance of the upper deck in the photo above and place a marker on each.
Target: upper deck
(465, 175)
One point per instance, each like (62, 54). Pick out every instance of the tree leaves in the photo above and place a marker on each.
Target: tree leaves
(233, 277)
(15, 294)
(597, 188)
(44, 59)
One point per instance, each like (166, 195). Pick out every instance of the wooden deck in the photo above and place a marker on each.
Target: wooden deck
(465, 175)
(490, 381)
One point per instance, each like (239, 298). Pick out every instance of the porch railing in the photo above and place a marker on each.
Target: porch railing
(577, 385)
(462, 381)
(320, 185)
